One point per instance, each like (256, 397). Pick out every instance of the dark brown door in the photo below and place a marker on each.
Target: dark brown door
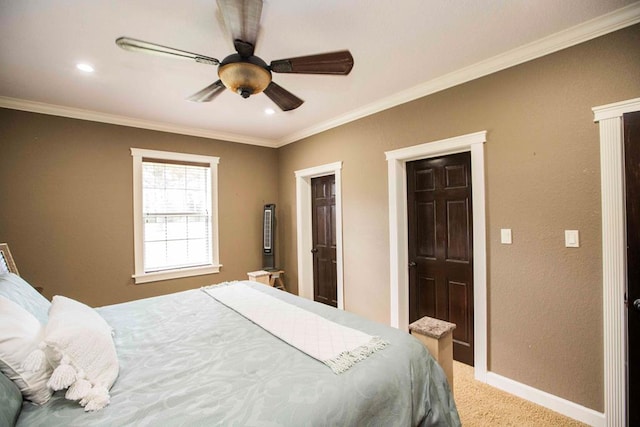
(632, 185)
(323, 223)
(440, 245)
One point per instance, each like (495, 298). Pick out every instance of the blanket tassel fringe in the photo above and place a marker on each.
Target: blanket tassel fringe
(347, 359)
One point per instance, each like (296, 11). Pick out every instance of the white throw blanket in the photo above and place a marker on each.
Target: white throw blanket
(337, 346)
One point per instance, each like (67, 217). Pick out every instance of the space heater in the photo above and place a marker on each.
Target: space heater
(268, 237)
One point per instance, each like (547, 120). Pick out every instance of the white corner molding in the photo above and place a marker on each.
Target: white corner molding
(621, 18)
(95, 116)
(616, 20)
(399, 240)
(304, 229)
(614, 272)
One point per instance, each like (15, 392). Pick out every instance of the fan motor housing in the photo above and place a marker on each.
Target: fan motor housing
(244, 75)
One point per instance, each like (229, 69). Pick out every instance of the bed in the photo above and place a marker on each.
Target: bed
(188, 359)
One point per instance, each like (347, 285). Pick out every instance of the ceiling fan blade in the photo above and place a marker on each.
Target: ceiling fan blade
(325, 63)
(242, 19)
(134, 45)
(208, 93)
(282, 97)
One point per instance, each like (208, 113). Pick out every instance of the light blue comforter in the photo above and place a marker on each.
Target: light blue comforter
(187, 360)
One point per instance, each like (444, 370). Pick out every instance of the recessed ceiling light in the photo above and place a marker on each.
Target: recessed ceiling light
(85, 67)
(269, 111)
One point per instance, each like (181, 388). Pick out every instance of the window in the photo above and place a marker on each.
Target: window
(175, 215)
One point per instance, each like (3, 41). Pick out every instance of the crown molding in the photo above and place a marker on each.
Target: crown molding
(616, 20)
(95, 116)
(616, 109)
(596, 27)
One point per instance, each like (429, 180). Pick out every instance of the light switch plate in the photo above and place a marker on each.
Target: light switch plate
(505, 236)
(571, 238)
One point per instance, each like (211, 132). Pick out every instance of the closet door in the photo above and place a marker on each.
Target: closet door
(632, 188)
(323, 223)
(440, 232)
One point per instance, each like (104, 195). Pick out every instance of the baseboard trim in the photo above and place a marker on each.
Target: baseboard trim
(549, 401)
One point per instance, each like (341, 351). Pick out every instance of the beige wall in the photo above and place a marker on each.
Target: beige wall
(66, 204)
(542, 177)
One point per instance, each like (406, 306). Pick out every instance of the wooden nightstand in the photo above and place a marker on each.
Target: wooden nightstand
(271, 278)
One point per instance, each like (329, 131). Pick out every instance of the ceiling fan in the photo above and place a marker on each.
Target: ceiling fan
(243, 72)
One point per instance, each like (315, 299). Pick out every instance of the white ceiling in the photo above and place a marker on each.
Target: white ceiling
(402, 50)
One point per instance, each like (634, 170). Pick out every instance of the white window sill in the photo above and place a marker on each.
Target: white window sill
(157, 276)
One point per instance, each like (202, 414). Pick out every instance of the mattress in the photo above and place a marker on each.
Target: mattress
(185, 359)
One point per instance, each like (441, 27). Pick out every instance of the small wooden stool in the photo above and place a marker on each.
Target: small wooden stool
(437, 336)
(275, 279)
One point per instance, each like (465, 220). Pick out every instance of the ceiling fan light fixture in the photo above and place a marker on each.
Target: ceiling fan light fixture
(244, 78)
(243, 72)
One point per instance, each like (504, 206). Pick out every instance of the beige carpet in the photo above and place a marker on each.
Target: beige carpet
(482, 405)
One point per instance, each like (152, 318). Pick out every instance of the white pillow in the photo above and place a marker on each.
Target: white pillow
(20, 334)
(80, 347)
(22, 293)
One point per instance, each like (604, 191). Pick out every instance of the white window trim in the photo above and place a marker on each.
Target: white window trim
(304, 229)
(138, 226)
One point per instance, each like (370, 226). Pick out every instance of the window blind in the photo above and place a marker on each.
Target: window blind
(176, 214)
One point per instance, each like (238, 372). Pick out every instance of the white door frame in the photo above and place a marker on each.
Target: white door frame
(304, 228)
(399, 241)
(614, 256)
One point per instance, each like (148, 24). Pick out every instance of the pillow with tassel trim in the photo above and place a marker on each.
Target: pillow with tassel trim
(78, 344)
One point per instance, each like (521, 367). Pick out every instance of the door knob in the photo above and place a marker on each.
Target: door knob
(636, 304)
(412, 264)
(314, 250)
